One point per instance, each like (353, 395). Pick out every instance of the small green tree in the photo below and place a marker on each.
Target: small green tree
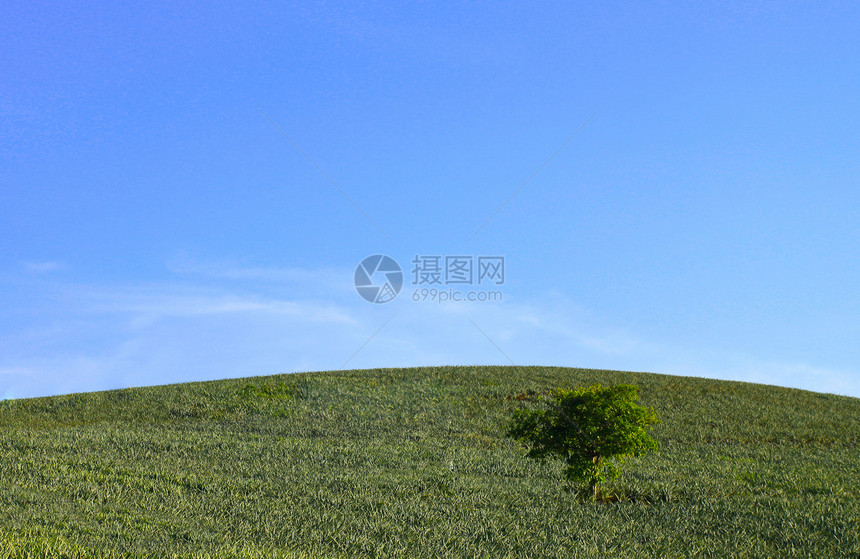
(592, 429)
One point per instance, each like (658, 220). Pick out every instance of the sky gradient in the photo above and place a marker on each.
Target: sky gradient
(186, 191)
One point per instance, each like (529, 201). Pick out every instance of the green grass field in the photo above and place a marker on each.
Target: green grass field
(414, 463)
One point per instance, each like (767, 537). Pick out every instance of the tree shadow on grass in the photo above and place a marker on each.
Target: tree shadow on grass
(615, 494)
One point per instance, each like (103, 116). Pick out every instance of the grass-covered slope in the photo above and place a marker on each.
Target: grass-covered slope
(413, 463)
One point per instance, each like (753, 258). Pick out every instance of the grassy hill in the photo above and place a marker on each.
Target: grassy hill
(413, 463)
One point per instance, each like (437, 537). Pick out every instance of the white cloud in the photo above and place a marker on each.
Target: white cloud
(156, 334)
(16, 372)
(154, 306)
(43, 267)
(796, 375)
(327, 280)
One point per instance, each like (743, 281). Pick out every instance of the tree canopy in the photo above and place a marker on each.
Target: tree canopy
(593, 429)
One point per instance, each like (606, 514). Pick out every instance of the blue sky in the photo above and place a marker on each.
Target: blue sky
(186, 190)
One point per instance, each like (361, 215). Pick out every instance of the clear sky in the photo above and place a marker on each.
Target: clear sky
(186, 189)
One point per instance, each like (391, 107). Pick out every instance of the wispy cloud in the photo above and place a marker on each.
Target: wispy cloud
(798, 375)
(42, 267)
(16, 372)
(155, 304)
(115, 336)
(323, 280)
